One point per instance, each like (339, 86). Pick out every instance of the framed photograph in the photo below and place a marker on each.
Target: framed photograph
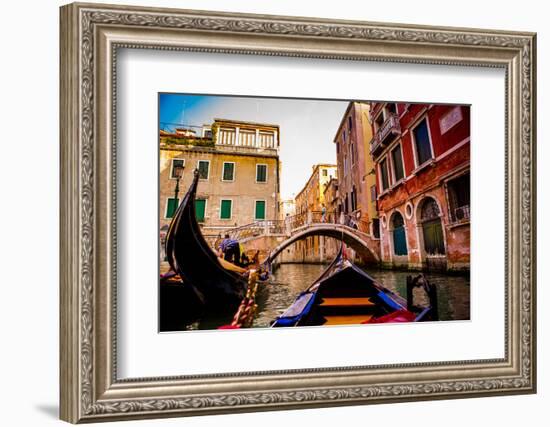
(267, 212)
(255, 232)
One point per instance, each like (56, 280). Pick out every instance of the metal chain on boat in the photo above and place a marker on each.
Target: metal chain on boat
(247, 309)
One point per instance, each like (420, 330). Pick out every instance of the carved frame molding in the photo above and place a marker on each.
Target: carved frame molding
(90, 37)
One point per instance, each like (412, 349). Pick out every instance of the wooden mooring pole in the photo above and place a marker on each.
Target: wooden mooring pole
(431, 292)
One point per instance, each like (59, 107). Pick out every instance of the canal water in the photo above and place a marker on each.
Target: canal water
(289, 280)
(453, 291)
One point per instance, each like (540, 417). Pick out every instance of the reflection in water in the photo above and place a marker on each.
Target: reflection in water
(290, 279)
(453, 291)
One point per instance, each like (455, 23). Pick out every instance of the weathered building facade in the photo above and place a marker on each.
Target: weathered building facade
(309, 204)
(332, 200)
(422, 158)
(356, 172)
(311, 197)
(238, 164)
(287, 208)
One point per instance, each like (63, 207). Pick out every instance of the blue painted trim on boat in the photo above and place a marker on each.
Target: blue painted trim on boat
(283, 320)
(388, 300)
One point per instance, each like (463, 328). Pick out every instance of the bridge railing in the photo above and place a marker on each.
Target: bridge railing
(310, 217)
(354, 233)
(289, 225)
(320, 217)
(273, 226)
(255, 229)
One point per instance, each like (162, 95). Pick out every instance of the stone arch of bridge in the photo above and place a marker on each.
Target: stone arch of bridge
(359, 242)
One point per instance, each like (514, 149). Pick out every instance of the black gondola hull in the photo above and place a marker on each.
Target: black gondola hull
(344, 294)
(191, 257)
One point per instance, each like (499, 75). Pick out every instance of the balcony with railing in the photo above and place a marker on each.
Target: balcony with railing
(385, 134)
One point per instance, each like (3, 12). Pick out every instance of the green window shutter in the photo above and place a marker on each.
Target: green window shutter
(228, 171)
(225, 210)
(200, 209)
(261, 173)
(172, 206)
(260, 209)
(203, 169)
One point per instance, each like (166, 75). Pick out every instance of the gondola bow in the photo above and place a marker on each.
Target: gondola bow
(190, 256)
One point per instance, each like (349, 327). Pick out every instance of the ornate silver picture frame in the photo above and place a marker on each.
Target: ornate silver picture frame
(91, 390)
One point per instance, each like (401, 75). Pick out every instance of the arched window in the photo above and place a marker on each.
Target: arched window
(399, 237)
(431, 228)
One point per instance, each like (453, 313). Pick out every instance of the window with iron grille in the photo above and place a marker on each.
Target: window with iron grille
(458, 191)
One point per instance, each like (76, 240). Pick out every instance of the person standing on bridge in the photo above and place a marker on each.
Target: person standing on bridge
(323, 213)
(229, 250)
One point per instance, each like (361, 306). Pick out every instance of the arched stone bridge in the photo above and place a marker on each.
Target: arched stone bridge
(362, 243)
(273, 236)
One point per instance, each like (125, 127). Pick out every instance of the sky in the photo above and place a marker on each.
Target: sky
(307, 127)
